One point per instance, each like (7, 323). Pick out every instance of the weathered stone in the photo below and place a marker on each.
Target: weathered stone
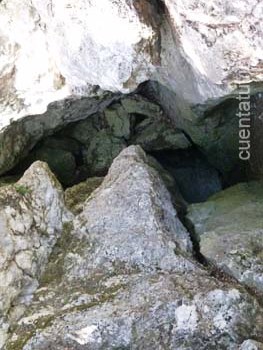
(229, 226)
(133, 120)
(156, 135)
(198, 61)
(132, 194)
(123, 277)
(31, 79)
(32, 213)
(210, 47)
(251, 345)
(150, 312)
(138, 105)
(135, 43)
(118, 121)
(18, 138)
(101, 151)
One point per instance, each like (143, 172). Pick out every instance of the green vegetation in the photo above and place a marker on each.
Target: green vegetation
(23, 190)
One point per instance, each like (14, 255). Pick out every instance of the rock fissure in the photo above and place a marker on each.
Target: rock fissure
(151, 238)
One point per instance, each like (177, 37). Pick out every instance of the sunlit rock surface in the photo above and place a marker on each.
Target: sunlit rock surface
(122, 276)
(120, 273)
(51, 50)
(229, 226)
(220, 44)
(32, 214)
(54, 49)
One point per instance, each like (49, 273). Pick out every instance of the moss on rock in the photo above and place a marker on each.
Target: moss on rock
(76, 196)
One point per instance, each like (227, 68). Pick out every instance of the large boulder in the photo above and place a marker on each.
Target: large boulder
(122, 276)
(32, 213)
(160, 311)
(229, 227)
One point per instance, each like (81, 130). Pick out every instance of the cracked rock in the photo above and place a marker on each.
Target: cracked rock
(32, 214)
(123, 276)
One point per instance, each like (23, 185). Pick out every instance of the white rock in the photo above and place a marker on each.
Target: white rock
(53, 49)
(212, 46)
(32, 214)
(206, 48)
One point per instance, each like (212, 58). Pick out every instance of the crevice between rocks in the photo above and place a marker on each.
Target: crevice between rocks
(135, 121)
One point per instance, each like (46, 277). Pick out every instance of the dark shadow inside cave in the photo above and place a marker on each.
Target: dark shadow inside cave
(195, 177)
(86, 148)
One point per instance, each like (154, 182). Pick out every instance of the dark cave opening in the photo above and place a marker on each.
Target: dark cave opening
(195, 177)
(86, 148)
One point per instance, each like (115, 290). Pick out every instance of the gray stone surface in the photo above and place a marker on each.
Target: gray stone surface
(198, 52)
(122, 276)
(229, 226)
(32, 213)
(251, 345)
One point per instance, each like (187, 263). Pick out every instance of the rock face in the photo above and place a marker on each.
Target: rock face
(133, 120)
(251, 345)
(62, 65)
(133, 193)
(198, 53)
(118, 269)
(220, 44)
(133, 43)
(122, 276)
(18, 138)
(87, 148)
(229, 226)
(32, 213)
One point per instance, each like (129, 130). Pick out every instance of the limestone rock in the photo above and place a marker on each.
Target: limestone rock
(123, 277)
(28, 131)
(62, 65)
(198, 53)
(130, 219)
(209, 47)
(149, 312)
(229, 226)
(251, 345)
(101, 151)
(158, 135)
(32, 213)
(198, 50)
